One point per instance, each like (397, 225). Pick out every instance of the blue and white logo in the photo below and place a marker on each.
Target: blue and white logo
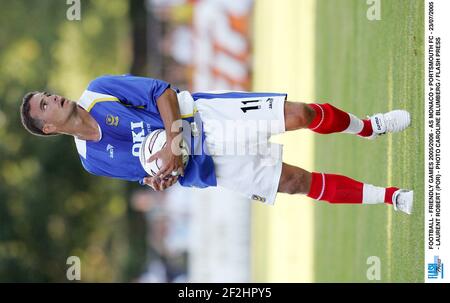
(110, 149)
(436, 269)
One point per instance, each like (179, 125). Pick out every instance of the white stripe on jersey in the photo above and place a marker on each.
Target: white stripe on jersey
(88, 97)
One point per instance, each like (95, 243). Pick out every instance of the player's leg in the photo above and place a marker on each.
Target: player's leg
(340, 189)
(298, 115)
(327, 119)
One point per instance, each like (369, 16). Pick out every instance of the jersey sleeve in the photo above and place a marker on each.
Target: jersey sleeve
(131, 90)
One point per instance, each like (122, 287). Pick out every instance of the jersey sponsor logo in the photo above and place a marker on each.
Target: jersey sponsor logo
(138, 132)
(110, 149)
(258, 198)
(112, 120)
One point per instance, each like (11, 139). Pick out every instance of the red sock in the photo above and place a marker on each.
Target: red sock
(329, 119)
(389, 193)
(340, 189)
(367, 129)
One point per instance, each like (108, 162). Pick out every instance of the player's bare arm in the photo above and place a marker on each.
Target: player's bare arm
(172, 163)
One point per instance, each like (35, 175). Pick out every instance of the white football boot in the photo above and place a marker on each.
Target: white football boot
(402, 200)
(390, 122)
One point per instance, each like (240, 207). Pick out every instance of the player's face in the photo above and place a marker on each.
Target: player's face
(53, 110)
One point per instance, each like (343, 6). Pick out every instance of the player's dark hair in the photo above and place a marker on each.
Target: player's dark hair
(34, 126)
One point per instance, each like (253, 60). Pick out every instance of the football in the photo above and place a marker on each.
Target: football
(153, 143)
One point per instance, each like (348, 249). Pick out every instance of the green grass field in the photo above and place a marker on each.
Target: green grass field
(366, 67)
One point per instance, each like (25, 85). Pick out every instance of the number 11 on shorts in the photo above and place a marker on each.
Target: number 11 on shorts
(250, 107)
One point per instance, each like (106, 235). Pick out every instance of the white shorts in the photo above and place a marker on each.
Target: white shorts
(238, 127)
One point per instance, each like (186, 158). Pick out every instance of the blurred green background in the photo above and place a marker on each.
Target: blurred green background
(50, 208)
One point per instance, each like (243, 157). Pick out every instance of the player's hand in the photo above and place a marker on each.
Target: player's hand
(159, 184)
(171, 161)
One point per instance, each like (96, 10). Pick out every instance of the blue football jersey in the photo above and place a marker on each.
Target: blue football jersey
(126, 112)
